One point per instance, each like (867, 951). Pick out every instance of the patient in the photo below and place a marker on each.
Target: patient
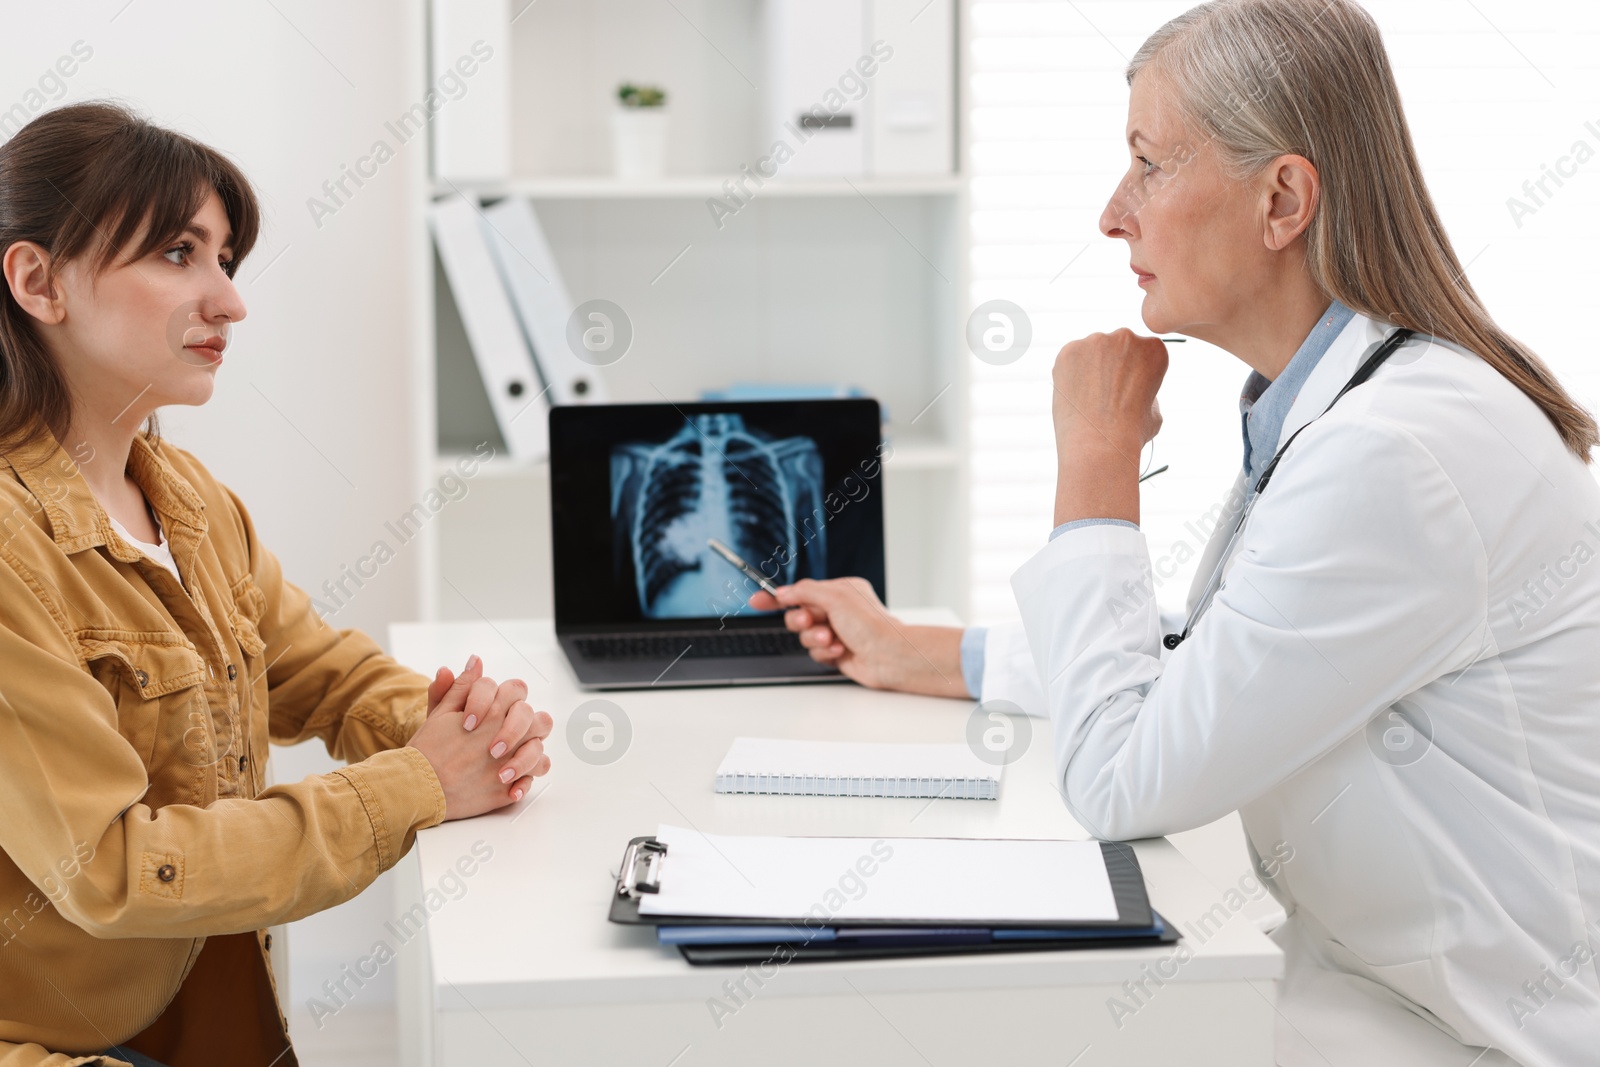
(151, 648)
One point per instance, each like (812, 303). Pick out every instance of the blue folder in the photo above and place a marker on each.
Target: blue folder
(890, 935)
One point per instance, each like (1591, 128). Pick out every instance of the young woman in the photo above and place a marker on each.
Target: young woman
(1389, 663)
(150, 647)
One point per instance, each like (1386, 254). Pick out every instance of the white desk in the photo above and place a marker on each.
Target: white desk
(525, 968)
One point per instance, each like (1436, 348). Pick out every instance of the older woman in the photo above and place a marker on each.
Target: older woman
(1388, 664)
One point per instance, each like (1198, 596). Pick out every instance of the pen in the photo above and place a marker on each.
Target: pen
(744, 568)
(1146, 477)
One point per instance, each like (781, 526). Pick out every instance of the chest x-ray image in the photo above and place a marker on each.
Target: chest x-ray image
(715, 477)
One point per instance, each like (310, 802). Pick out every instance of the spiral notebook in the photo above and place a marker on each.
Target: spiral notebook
(856, 769)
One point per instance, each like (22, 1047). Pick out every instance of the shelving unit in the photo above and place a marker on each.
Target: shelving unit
(672, 187)
(857, 281)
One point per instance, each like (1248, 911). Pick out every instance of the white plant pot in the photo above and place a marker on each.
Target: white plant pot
(639, 142)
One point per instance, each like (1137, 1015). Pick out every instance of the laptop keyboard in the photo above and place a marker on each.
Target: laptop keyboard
(700, 645)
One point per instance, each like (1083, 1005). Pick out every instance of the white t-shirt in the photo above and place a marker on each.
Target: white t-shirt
(160, 553)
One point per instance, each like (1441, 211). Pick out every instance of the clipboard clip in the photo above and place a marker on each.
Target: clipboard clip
(645, 853)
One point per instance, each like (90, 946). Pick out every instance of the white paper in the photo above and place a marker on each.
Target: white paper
(921, 879)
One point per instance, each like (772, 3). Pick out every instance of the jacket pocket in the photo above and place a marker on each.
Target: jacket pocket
(249, 605)
(246, 607)
(145, 674)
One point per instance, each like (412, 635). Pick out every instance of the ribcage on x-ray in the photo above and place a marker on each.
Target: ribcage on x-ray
(715, 478)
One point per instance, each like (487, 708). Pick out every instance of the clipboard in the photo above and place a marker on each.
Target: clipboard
(1136, 922)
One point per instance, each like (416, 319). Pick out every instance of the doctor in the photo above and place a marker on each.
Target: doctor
(1390, 659)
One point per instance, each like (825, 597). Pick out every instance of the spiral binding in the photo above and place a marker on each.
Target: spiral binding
(829, 786)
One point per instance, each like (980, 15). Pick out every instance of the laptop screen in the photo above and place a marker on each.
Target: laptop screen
(637, 491)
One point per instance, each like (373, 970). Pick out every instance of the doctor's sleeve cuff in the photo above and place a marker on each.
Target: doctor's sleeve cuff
(972, 644)
(1075, 523)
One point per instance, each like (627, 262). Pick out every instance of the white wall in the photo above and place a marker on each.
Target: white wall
(309, 423)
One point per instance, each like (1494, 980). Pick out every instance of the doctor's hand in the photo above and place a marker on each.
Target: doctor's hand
(483, 740)
(1105, 411)
(842, 622)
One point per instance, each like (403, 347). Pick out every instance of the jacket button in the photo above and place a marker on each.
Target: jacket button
(241, 762)
(232, 672)
(166, 872)
(268, 943)
(142, 678)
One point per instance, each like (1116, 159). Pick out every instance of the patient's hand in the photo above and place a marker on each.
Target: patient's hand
(483, 739)
(842, 622)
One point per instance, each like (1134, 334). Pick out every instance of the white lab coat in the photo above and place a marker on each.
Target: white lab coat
(1427, 553)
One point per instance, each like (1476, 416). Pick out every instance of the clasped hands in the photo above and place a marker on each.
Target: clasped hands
(483, 739)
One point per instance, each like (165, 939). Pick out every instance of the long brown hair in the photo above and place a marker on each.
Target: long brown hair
(1266, 78)
(86, 180)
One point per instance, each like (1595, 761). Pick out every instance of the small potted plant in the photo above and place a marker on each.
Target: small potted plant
(639, 131)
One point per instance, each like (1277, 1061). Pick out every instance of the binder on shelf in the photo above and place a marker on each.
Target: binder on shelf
(810, 45)
(909, 896)
(910, 108)
(509, 376)
(862, 87)
(540, 297)
(856, 769)
(469, 98)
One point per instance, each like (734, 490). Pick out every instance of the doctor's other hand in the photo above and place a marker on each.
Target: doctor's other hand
(1103, 404)
(483, 739)
(1105, 389)
(841, 621)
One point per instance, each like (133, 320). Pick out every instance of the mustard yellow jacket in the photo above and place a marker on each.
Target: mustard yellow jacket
(136, 830)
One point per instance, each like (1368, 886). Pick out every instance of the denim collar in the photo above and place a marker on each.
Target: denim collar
(1265, 403)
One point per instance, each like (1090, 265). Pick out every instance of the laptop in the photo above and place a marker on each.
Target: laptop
(638, 492)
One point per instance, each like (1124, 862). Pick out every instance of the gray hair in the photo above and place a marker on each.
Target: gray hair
(1260, 79)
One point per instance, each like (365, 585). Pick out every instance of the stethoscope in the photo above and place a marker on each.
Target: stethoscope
(1390, 345)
